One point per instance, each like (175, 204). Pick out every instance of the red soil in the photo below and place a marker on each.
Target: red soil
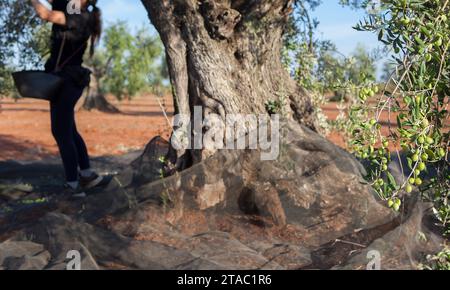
(25, 127)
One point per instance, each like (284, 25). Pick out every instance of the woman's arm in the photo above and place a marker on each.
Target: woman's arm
(46, 14)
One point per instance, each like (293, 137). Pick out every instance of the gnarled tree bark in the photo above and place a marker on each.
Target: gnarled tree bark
(225, 55)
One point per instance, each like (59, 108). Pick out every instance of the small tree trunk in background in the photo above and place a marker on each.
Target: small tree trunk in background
(225, 55)
(95, 99)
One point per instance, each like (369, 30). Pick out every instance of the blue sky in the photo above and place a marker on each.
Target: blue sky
(336, 24)
(131, 11)
(335, 21)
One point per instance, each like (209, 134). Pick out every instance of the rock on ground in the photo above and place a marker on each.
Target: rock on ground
(23, 255)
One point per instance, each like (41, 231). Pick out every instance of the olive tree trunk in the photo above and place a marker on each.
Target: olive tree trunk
(225, 55)
(95, 99)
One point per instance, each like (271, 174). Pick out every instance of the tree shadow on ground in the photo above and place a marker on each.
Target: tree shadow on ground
(40, 180)
(145, 114)
(11, 147)
(25, 109)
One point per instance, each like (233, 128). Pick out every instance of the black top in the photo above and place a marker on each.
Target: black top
(77, 31)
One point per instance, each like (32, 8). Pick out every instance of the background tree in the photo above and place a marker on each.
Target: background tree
(125, 65)
(319, 67)
(334, 72)
(387, 70)
(129, 63)
(362, 65)
(22, 42)
(95, 97)
(136, 61)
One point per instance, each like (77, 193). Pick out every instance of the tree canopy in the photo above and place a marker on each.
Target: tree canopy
(132, 62)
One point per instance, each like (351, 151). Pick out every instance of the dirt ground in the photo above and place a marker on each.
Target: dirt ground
(25, 127)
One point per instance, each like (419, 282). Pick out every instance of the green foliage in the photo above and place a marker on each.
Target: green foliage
(18, 26)
(274, 107)
(345, 75)
(129, 63)
(6, 82)
(132, 62)
(320, 68)
(440, 261)
(362, 66)
(301, 49)
(418, 94)
(388, 68)
(22, 42)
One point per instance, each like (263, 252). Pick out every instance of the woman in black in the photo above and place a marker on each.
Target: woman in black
(74, 23)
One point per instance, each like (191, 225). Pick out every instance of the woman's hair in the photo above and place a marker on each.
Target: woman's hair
(97, 24)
